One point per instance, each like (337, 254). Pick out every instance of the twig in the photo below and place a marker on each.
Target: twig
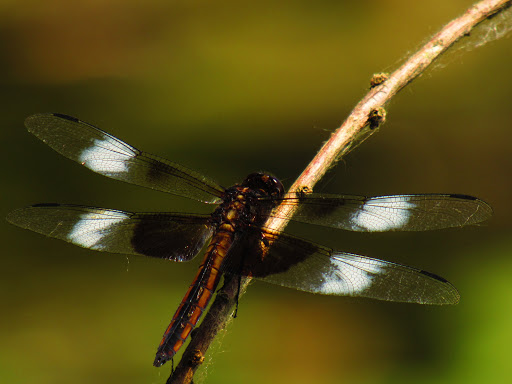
(359, 123)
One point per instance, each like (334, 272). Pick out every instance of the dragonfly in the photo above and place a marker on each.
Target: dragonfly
(237, 241)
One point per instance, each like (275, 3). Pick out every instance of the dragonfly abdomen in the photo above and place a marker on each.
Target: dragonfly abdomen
(196, 299)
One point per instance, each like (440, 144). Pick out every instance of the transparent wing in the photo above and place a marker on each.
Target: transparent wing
(389, 213)
(296, 263)
(177, 237)
(111, 157)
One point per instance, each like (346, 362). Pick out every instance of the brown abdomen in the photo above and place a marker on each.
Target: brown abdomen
(196, 299)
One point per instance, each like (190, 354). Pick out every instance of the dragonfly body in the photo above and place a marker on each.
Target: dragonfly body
(239, 210)
(238, 242)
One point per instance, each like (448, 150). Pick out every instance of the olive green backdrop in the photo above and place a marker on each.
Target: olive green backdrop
(228, 88)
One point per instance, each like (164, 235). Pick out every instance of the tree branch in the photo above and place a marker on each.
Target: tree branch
(367, 114)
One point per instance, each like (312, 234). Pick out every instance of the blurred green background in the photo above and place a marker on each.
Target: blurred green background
(227, 88)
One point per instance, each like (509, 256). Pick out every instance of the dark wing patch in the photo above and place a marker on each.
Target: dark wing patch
(177, 237)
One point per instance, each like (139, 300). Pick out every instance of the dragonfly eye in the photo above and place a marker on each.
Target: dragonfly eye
(277, 187)
(270, 185)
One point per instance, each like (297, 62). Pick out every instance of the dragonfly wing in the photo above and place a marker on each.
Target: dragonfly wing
(111, 157)
(389, 213)
(296, 263)
(177, 237)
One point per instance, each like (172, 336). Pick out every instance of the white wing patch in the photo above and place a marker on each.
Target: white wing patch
(350, 275)
(92, 228)
(383, 214)
(107, 156)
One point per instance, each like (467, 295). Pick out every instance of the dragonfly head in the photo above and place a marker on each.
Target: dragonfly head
(265, 184)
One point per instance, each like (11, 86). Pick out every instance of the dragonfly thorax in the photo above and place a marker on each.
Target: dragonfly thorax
(249, 202)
